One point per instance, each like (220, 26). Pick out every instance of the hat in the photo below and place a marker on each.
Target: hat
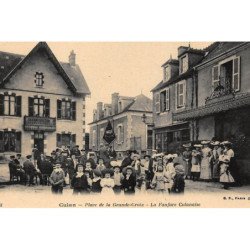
(12, 157)
(197, 145)
(108, 171)
(18, 155)
(114, 164)
(205, 142)
(187, 145)
(128, 167)
(97, 172)
(147, 156)
(28, 156)
(215, 143)
(226, 143)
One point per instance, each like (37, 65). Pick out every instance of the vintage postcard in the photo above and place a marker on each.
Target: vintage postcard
(124, 124)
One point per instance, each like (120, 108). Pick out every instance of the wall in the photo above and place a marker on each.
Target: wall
(205, 87)
(165, 118)
(206, 128)
(22, 83)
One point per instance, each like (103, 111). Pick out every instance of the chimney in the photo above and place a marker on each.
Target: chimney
(72, 58)
(99, 110)
(114, 103)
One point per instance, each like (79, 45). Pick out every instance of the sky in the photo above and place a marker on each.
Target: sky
(129, 68)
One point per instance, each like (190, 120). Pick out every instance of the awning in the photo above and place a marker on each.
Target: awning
(221, 104)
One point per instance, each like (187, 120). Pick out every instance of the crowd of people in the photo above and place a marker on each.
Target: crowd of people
(159, 172)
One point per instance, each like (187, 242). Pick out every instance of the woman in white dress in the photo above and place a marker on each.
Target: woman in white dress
(169, 172)
(107, 183)
(225, 177)
(206, 152)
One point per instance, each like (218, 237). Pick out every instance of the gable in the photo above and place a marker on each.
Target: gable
(24, 77)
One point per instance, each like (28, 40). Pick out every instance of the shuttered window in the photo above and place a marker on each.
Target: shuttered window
(181, 94)
(157, 103)
(120, 133)
(215, 76)
(66, 109)
(10, 105)
(236, 74)
(10, 141)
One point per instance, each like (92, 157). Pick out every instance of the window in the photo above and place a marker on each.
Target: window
(39, 79)
(157, 103)
(10, 104)
(181, 92)
(164, 96)
(184, 64)
(166, 73)
(65, 139)
(94, 138)
(66, 109)
(39, 106)
(120, 134)
(10, 141)
(226, 75)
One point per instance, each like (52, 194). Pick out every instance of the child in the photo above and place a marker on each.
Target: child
(96, 182)
(107, 183)
(117, 179)
(89, 179)
(169, 173)
(79, 181)
(129, 181)
(158, 182)
(88, 168)
(225, 177)
(57, 179)
(179, 183)
(101, 167)
(196, 163)
(142, 183)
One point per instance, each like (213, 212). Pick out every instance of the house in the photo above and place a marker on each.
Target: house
(174, 94)
(222, 103)
(42, 101)
(125, 114)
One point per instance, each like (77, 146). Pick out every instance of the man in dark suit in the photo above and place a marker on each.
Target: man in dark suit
(29, 169)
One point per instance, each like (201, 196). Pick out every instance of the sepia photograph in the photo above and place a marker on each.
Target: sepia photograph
(124, 124)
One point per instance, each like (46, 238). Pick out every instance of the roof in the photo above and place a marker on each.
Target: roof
(171, 61)
(218, 48)
(141, 103)
(10, 63)
(191, 50)
(174, 79)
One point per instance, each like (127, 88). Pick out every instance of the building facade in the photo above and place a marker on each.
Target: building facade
(125, 115)
(222, 108)
(42, 102)
(174, 94)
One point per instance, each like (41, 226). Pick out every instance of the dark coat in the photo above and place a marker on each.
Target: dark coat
(126, 162)
(29, 167)
(129, 185)
(80, 183)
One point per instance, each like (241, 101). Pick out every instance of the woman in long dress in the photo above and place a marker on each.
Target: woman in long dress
(206, 173)
(216, 152)
(187, 156)
(225, 176)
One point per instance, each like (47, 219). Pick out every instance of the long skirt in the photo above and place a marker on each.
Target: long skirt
(216, 170)
(187, 167)
(206, 173)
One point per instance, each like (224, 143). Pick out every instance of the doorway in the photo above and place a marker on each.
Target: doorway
(39, 141)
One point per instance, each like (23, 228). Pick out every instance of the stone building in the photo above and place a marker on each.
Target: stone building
(221, 107)
(125, 114)
(42, 101)
(174, 94)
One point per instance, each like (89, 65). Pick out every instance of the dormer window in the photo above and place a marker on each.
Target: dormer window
(39, 79)
(183, 64)
(166, 73)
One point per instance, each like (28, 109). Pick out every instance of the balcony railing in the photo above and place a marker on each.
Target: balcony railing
(36, 123)
(222, 91)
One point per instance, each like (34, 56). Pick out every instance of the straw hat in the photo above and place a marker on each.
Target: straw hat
(205, 142)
